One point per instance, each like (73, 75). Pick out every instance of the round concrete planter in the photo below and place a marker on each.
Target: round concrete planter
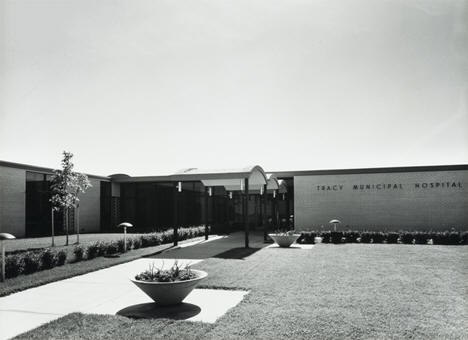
(284, 241)
(170, 293)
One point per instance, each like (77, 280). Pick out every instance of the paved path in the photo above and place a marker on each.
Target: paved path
(109, 290)
(222, 245)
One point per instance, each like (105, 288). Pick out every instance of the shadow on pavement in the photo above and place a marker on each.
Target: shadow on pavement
(227, 248)
(151, 310)
(237, 253)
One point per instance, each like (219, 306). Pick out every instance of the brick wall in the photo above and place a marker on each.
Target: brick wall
(90, 208)
(436, 200)
(12, 201)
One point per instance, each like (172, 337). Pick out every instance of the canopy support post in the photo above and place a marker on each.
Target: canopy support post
(246, 212)
(207, 219)
(175, 213)
(264, 218)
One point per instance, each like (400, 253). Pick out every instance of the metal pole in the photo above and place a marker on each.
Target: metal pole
(246, 212)
(273, 214)
(3, 261)
(206, 214)
(125, 239)
(175, 213)
(264, 218)
(53, 227)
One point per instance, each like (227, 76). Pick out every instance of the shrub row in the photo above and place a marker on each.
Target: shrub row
(404, 237)
(111, 248)
(33, 261)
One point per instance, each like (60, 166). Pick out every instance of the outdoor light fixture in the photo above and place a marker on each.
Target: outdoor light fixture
(179, 186)
(335, 222)
(210, 191)
(230, 195)
(242, 184)
(3, 237)
(125, 225)
(261, 190)
(274, 193)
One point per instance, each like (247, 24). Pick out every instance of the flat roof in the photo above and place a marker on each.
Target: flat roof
(193, 174)
(425, 168)
(41, 169)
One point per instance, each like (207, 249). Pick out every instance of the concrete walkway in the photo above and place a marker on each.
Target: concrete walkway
(109, 291)
(215, 248)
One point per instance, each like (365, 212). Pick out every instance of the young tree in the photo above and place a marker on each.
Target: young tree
(80, 185)
(66, 185)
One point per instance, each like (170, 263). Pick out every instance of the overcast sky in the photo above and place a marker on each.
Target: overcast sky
(150, 87)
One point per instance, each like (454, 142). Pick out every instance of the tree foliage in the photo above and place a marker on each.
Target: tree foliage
(67, 185)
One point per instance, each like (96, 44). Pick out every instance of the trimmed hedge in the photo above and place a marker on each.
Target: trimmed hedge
(393, 237)
(351, 236)
(48, 259)
(403, 237)
(307, 237)
(79, 252)
(31, 262)
(27, 262)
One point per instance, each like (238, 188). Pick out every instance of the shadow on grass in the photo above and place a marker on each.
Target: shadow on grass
(237, 253)
(294, 246)
(151, 310)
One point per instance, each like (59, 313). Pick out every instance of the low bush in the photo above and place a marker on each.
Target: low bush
(144, 240)
(136, 243)
(366, 237)
(392, 237)
(336, 237)
(351, 236)
(112, 248)
(61, 257)
(421, 237)
(378, 237)
(155, 239)
(78, 251)
(447, 238)
(464, 238)
(121, 243)
(307, 237)
(326, 236)
(167, 236)
(407, 238)
(13, 266)
(48, 259)
(31, 262)
(95, 249)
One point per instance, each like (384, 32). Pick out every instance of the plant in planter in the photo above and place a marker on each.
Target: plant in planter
(285, 239)
(168, 286)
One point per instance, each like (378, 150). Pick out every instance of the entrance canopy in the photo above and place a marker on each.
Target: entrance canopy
(230, 179)
(283, 188)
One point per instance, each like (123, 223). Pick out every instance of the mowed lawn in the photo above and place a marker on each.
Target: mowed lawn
(354, 291)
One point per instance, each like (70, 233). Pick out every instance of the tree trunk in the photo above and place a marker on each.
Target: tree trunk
(52, 214)
(66, 225)
(77, 218)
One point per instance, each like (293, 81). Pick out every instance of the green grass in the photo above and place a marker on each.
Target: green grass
(329, 292)
(68, 270)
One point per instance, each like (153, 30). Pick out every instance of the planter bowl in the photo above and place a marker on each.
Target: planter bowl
(284, 241)
(170, 293)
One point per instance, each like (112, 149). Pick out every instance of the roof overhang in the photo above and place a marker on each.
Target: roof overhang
(231, 179)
